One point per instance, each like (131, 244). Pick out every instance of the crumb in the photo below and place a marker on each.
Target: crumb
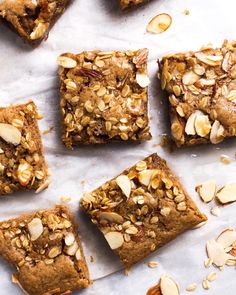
(91, 258)
(225, 159)
(186, 12)
(152, 264)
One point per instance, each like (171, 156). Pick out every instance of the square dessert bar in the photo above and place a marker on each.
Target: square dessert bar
(31, 19)
(45, 249)
(127, 3)
(202, 94)
(142, 209)
(104, 96)
(22, 163)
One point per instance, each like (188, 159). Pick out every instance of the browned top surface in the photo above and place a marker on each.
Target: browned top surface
(155, 212)
(202, 81)
(101, 99)
(47, 261)
(127, 3)
(22, 164)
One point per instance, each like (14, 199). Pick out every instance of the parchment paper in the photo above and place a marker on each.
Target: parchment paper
(27, 73)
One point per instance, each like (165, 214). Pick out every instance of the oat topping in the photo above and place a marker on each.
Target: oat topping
(40, 246)
(22, 164)
(104, 96)
(201, 88)
(138, 209)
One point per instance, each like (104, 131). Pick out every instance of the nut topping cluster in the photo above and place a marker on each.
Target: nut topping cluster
(202, 96)
(104, 96)
(137, 211)
(22, 164)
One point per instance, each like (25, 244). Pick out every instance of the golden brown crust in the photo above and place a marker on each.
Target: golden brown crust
(32, 19)
(101, 97)
(36, 244)
(202, 96)
(137, 222)
(22, 163)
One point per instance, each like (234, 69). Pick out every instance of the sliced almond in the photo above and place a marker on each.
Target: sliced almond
(227, 194)
(211, 60)
(39, 31)
(159, 24)
(111, 216)
(24, 173)
(217, 253)
(10, 133)
(124, 184)
(114, 239)
(69, 239)
(202, 125)
(227, 238)
(168, 286)
(215, 211)
(145, 176)
(190, 125)
(217, 132)
(35, 228)
(189, 78)
(142, 80)
(207, 190)
(71, 250)
(66, 62)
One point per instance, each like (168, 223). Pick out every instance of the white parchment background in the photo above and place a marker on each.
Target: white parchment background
(27, 73)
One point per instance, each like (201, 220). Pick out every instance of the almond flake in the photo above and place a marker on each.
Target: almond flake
(152, 264)
(66, 62)
(71, 250)
(111, 216)
(190, 125)
(168, 286)
(211, 60)
(114, 239)
(145, 176)
(202, 125)
(35, 228)
(217, 132)
(227, 194)
(207, 190)
(217, 253)
(189, 78)
(159, 24)
(215, 211)
(10, 133)
(227, 238)
(142, 80)
(69, 239)
(39, 31)
(124, 184)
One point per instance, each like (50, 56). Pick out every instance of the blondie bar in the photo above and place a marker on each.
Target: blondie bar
(32, 19)
(45, 249)
(142, 209)
(104, 97)
(22, 163)
(202, 94)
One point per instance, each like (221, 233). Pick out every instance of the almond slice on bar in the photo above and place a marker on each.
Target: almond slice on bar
(10, 133)
(124, 184)
(227, 194)
(159, 24)
(207, 190)
(114, 239)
